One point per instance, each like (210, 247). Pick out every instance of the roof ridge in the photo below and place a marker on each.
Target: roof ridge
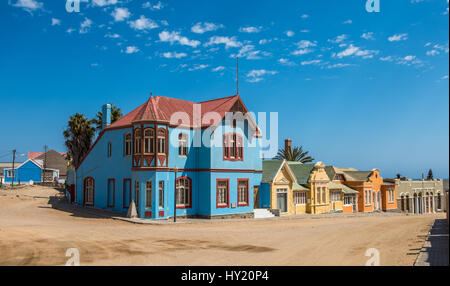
(226, 97)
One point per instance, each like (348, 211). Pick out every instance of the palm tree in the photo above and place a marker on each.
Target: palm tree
(78, 135)
(116, 114)
(294, 154)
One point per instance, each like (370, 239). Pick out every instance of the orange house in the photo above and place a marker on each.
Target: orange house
(374, 194)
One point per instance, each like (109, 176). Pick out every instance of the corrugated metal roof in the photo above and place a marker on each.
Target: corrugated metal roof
(162, 108)
(270, 169)
(345, 189)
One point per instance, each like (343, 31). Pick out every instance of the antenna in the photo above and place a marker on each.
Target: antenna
(237, 65)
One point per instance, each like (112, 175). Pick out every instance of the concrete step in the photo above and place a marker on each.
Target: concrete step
(263, 213)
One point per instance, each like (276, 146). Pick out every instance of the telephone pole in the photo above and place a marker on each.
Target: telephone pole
(13, 171)
(45, 164)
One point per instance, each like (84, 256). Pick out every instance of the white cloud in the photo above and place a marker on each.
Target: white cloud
(102, 3)
(201, 28)
(173, 37)
(304, 16)
(433, 53)
(306, 44)
(311, 62)
(398, 37)
(29, 5)
(387, 59)
(339, 65)
(143, 24)
(56, 22)
(285, 62)
(120, 14)
(170, 55)
(409, 58)
(131, 50)
(112, 36)
(352, 50)
(368, 36)
(264, 41)
(157, 6)
(339, 39)
(249, 52)
(444, 77)
(305, 31)
(228, 42)
(347, 22)
(250, 30)
(198, 67)
(290, 33)
(257, 75)
(217, 69)
(302, 52)
(70, 30)
(85, 25)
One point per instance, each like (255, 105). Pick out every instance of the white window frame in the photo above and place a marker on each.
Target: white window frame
(148, 194)
(300, 198)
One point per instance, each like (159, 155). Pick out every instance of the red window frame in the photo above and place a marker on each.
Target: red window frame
(248, 191)
(93, 191)
(113, 193)
(190, 192)
(217, 194)
(123, 198)
(239, 147)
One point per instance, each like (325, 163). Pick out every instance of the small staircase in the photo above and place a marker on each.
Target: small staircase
(263, 213)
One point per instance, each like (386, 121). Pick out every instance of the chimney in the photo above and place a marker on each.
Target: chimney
(287, 144)
(106, 115)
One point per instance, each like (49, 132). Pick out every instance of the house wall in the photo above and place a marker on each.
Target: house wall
(319, 179)
(203, 166)
(386, 204)
(27, 172)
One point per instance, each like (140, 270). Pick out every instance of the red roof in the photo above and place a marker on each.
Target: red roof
(33, 155)
(161, 109)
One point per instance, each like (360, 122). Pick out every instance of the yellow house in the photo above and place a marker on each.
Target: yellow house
(290, 188)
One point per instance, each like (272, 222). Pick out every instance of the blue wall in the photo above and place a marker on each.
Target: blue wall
(119, 167)
(25, 173)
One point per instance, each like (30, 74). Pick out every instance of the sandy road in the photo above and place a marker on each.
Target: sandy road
(32, 233)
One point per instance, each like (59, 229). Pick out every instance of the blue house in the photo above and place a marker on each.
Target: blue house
(29, 171)
(206, 152)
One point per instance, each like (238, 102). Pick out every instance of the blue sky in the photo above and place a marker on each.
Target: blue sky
(354, 88)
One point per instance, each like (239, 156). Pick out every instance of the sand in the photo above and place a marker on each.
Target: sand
(33, 233)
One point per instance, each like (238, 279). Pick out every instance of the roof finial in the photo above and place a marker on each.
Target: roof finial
(151, 94)
(237, 64)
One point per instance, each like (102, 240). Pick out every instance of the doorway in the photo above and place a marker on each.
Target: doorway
(256, 197)
(282, 200)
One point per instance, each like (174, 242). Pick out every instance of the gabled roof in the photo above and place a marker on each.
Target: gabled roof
(33, 155)
(332, 171)
(345, 189)
(301, 171)
(270, 169)
(357, 175)
(54, 160)
(161, 109)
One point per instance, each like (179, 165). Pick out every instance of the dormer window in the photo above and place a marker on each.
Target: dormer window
(161, 141)
(182, 144)
(127, 144)
(233, 147)
(149, 141)
(137, 141)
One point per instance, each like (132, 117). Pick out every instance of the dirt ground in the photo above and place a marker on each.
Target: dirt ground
(33, 233)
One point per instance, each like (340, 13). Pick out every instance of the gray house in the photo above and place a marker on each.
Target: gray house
(421, 196)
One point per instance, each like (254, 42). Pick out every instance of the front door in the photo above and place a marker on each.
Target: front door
(282, 200)
(256, 197)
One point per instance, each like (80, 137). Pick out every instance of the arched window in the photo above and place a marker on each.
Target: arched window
(184, 192)
(161, 141)
(89, 187)
(149, 141)
(127, 144)
(137, 141)
(182, 144)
